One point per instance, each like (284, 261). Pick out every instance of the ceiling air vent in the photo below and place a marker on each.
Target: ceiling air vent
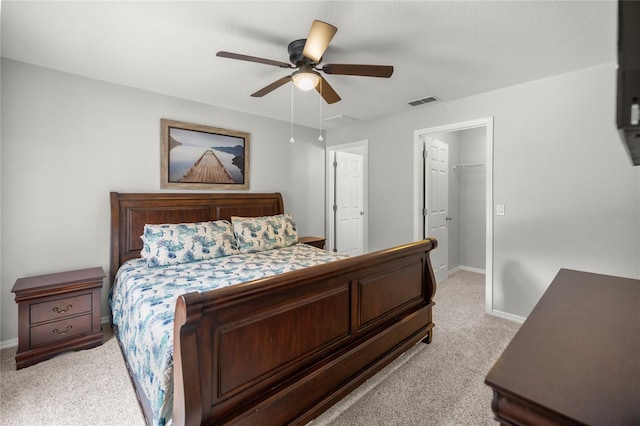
(423, 101)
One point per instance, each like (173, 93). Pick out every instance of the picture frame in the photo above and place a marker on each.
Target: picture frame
(195, 156)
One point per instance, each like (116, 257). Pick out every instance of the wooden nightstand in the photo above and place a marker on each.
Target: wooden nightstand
(57, 313)
(313, 241)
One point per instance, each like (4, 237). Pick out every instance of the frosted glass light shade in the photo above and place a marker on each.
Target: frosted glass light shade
(305, 80)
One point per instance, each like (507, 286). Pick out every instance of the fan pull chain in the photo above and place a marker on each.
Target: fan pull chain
(291, 140)
(320, 138)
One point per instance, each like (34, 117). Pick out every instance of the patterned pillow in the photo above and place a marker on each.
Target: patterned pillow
(264, 233)
(171, 244)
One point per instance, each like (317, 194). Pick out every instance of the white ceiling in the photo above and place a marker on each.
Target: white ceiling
(449, 49)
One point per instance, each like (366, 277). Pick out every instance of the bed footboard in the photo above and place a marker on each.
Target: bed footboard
(283, 349)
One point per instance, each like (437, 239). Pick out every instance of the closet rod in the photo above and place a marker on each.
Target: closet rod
(464, 166)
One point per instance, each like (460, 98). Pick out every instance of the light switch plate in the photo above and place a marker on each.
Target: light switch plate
(500, 209)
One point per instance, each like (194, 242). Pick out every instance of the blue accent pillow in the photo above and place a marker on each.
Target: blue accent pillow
(255, 234)
(172, 244)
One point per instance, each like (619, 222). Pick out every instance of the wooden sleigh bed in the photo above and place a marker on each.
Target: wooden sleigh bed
(282, 349)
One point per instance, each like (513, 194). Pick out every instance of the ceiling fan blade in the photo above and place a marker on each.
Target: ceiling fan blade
(327, 92)
(231, 55)
(318, 40)
(271, 87)
(384, 71)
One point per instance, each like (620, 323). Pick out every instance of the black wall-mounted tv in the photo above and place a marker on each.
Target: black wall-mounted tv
(628, 109)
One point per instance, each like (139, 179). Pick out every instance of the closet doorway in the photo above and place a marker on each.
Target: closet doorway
(468, 240)
(347, 198)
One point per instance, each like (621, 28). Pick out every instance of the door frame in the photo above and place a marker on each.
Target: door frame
(418, 221)
(358, 147)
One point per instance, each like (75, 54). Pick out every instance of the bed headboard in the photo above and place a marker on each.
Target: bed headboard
(130, 212)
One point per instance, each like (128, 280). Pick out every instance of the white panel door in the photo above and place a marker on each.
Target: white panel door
(349, 203)
(437, 203)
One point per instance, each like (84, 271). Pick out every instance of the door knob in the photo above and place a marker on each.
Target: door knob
(448, 218)
(361, 213)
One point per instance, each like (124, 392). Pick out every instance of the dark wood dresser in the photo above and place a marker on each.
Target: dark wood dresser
(57, 313)
(576, 359)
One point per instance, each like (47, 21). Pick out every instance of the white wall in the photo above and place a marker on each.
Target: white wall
(572, 199)
(67, 141)
(559, 168)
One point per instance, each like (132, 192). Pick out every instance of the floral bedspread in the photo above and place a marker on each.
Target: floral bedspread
(143, 302)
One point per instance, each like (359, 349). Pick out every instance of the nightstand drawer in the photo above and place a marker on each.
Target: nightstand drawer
(59, 330)
(60, 308)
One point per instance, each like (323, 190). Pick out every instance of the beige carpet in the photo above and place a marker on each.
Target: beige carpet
(441, 383)
(89, 387)
(437, 384)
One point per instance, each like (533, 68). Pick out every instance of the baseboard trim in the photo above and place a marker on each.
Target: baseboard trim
(467, 268)
(8, 343)
(5, 344)
(510, 317)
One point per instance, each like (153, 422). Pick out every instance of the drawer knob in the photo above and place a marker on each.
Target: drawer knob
(62, 311)
(56, 331)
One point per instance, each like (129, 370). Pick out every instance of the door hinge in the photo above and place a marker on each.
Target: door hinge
(425, 153)
(424, 212)
(335, 164)
(335, 208)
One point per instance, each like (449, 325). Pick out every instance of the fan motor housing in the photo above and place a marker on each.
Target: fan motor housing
(295, 49)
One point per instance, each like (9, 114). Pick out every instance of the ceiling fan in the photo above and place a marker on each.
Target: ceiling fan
(306, 55)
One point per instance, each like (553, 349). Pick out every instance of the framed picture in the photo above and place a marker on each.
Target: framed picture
(194, 156)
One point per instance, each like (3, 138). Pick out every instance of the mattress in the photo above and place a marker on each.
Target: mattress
(143, 299)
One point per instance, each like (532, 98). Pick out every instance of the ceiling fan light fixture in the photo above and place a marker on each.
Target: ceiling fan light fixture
(305, 79)
(305, 55)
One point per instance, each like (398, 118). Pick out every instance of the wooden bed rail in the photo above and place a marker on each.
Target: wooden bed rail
(283, 349)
